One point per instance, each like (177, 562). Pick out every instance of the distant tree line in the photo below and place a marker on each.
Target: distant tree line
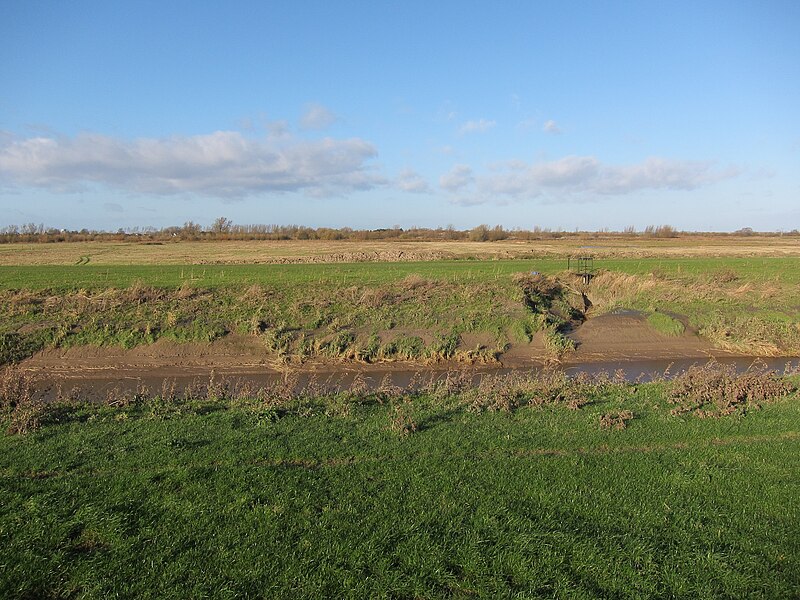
(223, 228)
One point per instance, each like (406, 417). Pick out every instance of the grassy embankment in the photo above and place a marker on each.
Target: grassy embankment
(370, 311)
(469, 310)
(539, 487)
(744, 305)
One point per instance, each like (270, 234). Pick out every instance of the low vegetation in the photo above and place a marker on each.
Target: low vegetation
(223, 228)
(665, 324)
(513, 485)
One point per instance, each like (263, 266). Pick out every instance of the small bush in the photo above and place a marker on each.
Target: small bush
(402, 418)
(19, 404)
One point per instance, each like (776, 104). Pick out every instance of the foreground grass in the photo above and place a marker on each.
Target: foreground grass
(428, 495)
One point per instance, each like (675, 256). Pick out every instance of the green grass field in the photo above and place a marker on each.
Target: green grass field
(96, 277)
(485, 495)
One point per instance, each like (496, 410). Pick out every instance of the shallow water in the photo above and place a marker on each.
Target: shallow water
(100, 388)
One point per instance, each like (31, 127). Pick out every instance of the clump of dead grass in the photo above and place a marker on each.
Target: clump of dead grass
(616, 420)
(20, 405)
(508, 392)
(724, 276)
(716, 390)
(402, 418)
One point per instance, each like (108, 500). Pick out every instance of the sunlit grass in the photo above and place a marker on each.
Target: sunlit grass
(343, 497)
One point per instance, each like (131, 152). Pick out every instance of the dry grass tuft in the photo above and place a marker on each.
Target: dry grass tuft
(616, 420)
(19, 401)
(402, 418)
(716, 390)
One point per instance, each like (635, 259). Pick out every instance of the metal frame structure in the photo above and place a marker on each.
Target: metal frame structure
(584, 267)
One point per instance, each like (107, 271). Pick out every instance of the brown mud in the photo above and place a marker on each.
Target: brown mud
(620, 342)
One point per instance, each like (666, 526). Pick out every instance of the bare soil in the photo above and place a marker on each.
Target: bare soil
(626, 335)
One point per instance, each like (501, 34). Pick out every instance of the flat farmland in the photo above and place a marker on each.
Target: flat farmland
(259, 252)
(513, 484)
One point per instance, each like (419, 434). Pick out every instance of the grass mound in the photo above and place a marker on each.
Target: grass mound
(665, 324)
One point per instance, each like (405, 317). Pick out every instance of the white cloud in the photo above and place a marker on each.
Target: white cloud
(581, 176)
(220, 164)
(459, 177)
(317, 117)
(479, 126)
(410, 181)
(551, 126)
(660, 173)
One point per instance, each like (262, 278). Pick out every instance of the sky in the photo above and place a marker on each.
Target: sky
(565, 115)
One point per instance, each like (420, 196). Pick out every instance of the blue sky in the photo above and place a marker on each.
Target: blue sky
(569, 115)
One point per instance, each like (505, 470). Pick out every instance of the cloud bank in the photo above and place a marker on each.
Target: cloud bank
(222, 164)
(578, 176)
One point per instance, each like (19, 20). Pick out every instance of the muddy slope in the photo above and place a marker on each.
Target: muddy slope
(626, 335)
(622, 336)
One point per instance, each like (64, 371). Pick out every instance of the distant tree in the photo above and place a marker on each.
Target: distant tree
(497, 233)
(190, 231)
(479, 233)
(32, 229)
(450, 233)
(221, 225)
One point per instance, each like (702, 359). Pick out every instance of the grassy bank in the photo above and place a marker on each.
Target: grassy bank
(456, 314)
(472, 310)
(745, 306)
(534, 487)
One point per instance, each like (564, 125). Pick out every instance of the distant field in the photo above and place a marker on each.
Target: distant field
(92, 276)
(236, 252)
